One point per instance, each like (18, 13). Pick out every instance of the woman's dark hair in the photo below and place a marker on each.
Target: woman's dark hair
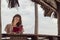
(20, 21)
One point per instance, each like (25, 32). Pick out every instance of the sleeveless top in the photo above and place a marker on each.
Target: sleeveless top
(9, 29)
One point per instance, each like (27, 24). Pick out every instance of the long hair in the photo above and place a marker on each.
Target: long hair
(20, 21)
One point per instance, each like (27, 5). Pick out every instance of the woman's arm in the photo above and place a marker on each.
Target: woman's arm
(7, 28)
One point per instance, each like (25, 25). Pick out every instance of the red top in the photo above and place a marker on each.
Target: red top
(18, 29)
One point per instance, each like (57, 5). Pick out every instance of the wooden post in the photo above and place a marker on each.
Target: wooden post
(0, 19)
(36, 20)
(58, 16)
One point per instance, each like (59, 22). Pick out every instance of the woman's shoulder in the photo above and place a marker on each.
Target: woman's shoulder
(21, 25)
(8, 25)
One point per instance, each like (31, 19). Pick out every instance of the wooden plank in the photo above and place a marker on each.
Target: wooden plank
(31, 35)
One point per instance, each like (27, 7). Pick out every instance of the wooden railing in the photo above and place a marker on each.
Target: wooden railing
(33, 36)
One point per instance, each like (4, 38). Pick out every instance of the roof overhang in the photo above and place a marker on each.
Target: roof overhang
(44, 3)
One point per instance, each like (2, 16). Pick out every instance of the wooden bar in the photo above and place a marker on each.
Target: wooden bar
(32, 36)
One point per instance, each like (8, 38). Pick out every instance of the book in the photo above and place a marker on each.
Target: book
(17, 29)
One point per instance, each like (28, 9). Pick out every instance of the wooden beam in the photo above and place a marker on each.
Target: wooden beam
(36, 18)
(42, 2)
(36, 22)
(48, 5)
(29, 35)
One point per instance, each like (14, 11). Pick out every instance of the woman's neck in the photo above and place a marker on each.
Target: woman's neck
(14, 24)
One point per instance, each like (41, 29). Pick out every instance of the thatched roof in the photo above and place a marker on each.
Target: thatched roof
(49, 6)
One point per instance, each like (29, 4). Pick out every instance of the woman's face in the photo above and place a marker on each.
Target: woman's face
(16, 19)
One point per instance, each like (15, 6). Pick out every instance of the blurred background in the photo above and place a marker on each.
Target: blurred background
(46, 25)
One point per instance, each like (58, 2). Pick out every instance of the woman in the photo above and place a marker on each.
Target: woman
(15, 27)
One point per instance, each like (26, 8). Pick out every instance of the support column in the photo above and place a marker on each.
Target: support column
(58, 17)
(36, 20)
(0, 19)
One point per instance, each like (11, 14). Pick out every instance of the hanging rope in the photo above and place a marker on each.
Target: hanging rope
(13, 3)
